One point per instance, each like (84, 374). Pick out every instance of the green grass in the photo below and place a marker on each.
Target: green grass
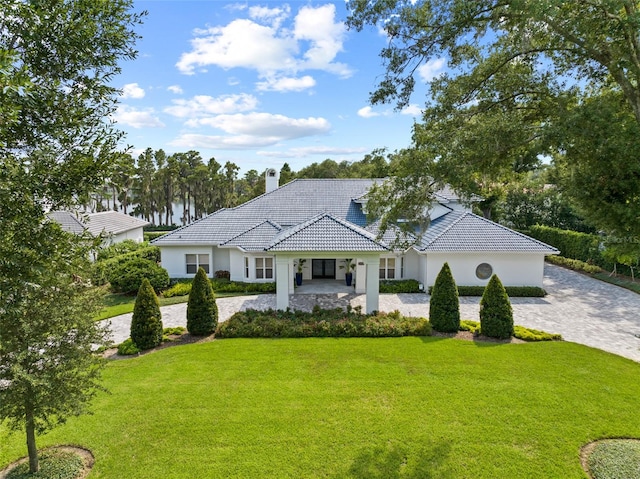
(117, 304)
(622, 281)
(353, 408)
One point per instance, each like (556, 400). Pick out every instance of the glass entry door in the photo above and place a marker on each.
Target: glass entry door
(323, 268)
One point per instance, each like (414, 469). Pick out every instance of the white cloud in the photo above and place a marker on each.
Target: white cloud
(132, 90)
(262, 44)
(245, 131)
(137, 118)
(204, 105)
(431, 69)
(285, 84)
(266, 125)
(312, 150)
(367, 112)
(175, 89)
(413, 110)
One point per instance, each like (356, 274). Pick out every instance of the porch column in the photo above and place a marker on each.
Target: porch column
(361, 275)
(373, 284)
(282, 283)
(292, 275)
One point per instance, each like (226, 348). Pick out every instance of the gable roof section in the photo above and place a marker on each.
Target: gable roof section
(68, 221)
(325, 232)
(112, 222)
(256, 238)
(464, 231)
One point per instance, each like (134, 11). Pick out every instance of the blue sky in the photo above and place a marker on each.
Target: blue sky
(259, 84)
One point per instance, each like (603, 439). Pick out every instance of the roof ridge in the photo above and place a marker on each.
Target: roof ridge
(170, 233)
(462, 214)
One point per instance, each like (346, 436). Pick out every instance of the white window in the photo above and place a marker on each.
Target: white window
(387, 268)
(195, 261)
(246, 267)
(264, 268)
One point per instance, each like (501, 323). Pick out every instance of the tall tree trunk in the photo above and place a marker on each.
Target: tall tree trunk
(34, 466)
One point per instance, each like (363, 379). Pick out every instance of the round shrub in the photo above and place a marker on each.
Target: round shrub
(496, 314)
(146, 323)
(128, 348)
(444, 306)
(202, 311)
(127, 277)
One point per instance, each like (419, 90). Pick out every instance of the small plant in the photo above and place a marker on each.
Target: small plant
(178, 289)
(146, 323)
(222, 274)
(128, 348)
(496, 314)
(53, 464)
(202, 311)
(300, 264)
(444, 306)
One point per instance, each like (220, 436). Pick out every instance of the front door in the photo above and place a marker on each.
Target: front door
(323, 268)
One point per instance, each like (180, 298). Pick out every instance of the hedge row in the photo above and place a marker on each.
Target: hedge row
(512, 291)
(394, 286)
(183, 287)
(151, 235)
(520, 332)
(320, 323)
(574, 264)
(582, 246)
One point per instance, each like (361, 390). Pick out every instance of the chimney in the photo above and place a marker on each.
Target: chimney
(271, 180)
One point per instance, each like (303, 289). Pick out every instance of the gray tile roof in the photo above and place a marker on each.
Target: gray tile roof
(112, 222)
(464, 231)
(68, 221)
(257, 238)
(326, 215)
(325, 232)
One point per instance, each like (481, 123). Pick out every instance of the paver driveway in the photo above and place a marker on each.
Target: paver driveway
(582, 309)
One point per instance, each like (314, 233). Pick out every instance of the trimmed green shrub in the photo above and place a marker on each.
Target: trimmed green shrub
(574, 264)
(394, 286)
(127, 277)
(496, 314)
(103, 271)
(225, 286)
(178, 289)
(471, 326)
(527, 334)
(512, 291)
(128, 348)
(119, 249)
(582, 246)
(202, 311)
(146, 323)
(151, 235)
(444, 307)
(320, 323)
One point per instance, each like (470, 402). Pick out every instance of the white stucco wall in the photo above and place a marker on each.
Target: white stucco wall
(513, 269)
(136, 235)
(173, 259)
(221, 260)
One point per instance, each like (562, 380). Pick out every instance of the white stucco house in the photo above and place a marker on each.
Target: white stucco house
(324, 222)
(112, 225)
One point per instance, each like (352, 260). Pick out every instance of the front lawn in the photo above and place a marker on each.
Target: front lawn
(412, 407)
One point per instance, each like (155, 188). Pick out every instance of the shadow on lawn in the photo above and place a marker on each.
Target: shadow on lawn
(395, 462)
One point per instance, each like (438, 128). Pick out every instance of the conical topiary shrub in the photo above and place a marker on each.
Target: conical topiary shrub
(444, 307)
(496, 314)
(202, 310)
(146, 324)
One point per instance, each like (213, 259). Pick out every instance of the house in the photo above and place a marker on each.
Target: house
(112, 225)
(324, 221)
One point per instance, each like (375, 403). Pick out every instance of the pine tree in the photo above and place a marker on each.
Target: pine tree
(202, 311)
(496, 314)
(444, 307)
(146, 324)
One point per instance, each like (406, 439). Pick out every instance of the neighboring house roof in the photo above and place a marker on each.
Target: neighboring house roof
(107, 222)
(325, 232)
(464, 231)
(327, 215)
(68, 221)
(112, 223)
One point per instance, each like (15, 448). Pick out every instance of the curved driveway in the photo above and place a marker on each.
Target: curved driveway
(582, 309)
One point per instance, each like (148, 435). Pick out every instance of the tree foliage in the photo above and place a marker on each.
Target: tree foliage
(524, 80)
(496, 313)
(444, 306)
(202, 310)
(146, 323)
(57, 60)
